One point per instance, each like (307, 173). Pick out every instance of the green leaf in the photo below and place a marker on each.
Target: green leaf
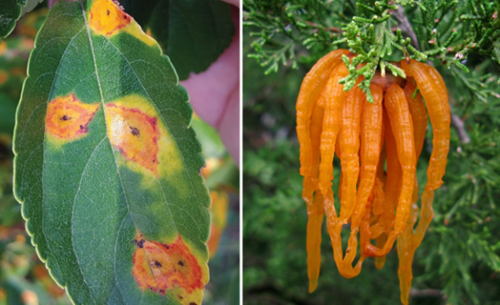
(10, 12)
(141, 10)
(30, 5)
(193, 33)
(106, 167)
(209, 138)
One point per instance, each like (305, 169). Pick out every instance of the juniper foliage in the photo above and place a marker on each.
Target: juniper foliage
(447, 32)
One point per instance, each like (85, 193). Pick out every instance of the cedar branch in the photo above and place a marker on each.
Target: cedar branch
(407, 30)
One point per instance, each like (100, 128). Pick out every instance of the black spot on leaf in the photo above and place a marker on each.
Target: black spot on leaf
(140, 243)
(135, 131)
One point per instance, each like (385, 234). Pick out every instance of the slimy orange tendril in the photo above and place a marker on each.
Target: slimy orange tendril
(378, 145)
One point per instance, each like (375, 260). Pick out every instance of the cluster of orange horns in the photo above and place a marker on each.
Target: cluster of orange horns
(378, 145)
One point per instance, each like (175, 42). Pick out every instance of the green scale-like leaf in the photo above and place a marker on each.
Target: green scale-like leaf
(106, 166)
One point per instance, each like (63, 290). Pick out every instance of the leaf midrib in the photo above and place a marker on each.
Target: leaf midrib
(89, 35)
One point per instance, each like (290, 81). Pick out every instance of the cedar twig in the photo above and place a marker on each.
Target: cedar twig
(407, 30)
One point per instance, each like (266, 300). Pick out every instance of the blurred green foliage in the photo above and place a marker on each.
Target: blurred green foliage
(458, 261)
(221, 175)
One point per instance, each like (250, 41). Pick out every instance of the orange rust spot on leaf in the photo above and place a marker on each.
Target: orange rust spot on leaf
(166, 267)
(106, 18)
(68, 118)
(134, 134)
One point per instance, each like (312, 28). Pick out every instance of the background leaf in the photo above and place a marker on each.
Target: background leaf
(30, 5)
(140, 10)
(192, 33)
(10, 11)
(106, 166)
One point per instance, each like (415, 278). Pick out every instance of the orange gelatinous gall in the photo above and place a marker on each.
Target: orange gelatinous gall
(106, 18)
(68, 118)
(379, 198)
(163, 267)
(134, 134)
(310, 91)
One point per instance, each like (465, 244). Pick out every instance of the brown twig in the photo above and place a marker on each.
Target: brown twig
(424, 293)
(459, 126)
(405, 26)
